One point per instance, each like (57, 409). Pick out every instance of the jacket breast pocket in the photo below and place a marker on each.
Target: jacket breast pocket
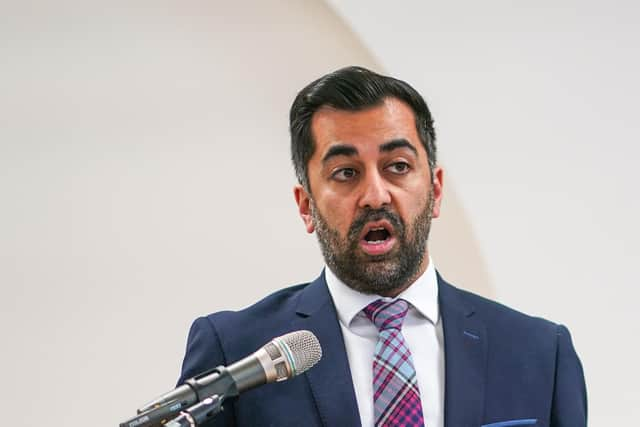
(513, 423)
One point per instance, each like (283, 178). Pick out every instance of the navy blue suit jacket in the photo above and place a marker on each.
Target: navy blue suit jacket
(502, 368)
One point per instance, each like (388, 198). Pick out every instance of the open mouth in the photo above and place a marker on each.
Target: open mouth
(377, 235)
(377, 238)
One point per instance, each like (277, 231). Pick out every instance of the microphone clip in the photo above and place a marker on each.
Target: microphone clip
(224, 385)
(216, 383)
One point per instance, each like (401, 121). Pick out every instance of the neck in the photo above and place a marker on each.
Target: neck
(392, 293)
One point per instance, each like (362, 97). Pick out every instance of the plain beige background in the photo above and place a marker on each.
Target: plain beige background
(146, 177)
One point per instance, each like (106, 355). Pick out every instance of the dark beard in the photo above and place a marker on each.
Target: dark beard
(380, 274)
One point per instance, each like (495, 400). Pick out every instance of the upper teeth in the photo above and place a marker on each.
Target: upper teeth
(377, 228)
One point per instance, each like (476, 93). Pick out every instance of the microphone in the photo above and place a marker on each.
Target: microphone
(282, 358)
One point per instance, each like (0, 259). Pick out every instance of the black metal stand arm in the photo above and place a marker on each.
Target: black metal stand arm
(216, 385)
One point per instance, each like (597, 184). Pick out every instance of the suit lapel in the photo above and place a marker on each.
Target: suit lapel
(465, 342)
(330, 380)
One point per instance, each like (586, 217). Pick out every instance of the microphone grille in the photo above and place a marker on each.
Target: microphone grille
(305, 349)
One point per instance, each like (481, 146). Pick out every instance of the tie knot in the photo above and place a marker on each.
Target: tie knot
(387, 314)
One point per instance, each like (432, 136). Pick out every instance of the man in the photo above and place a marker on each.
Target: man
(400, 345)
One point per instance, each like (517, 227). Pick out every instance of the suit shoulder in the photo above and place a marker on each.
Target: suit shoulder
(282, 300)
(499, 315)
(515, 337)
(243, 331)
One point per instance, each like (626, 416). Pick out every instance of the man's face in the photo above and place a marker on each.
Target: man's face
(372, 197)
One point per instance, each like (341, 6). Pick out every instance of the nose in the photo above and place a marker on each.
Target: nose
(375, 193)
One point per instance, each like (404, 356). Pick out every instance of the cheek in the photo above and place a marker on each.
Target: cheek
(340, 220)
(337, 214)
(414, 204)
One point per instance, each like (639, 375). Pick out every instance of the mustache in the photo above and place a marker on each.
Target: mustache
(371, 215)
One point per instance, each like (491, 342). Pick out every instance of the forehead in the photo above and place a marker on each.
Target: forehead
(391, 119)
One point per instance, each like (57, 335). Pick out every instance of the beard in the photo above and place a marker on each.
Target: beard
(376, 274)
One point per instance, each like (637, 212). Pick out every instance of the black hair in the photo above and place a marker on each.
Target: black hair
(352, 89)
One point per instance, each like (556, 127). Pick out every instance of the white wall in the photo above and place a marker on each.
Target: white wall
(536, 108)
(146, 180)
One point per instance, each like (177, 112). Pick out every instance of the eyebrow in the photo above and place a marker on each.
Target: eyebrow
(339, 150)
(350, 150)
(397, 143)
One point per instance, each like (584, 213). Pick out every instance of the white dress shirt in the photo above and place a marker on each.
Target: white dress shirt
(422, 330)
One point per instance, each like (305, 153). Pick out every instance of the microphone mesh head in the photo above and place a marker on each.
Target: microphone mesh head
(305, 349)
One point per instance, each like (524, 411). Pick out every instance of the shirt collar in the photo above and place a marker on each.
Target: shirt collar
(422, 295)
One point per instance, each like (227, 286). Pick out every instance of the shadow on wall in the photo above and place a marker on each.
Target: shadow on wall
(454, 248)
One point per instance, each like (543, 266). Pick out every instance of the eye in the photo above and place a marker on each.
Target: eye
(344, 174)
(399, 168)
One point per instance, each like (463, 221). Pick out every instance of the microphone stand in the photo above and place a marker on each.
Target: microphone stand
(157, 412)
(198, 414)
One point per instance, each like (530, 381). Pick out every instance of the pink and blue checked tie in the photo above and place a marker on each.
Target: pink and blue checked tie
(396, 398)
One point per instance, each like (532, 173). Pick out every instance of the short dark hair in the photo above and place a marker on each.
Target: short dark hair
(352, 89)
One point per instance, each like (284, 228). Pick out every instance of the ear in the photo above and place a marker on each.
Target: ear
(304, 207)
(437, 184)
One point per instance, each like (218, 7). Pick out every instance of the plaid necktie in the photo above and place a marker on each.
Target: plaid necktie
(396, 397)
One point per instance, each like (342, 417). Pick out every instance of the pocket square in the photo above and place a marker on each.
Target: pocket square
(512, 423)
